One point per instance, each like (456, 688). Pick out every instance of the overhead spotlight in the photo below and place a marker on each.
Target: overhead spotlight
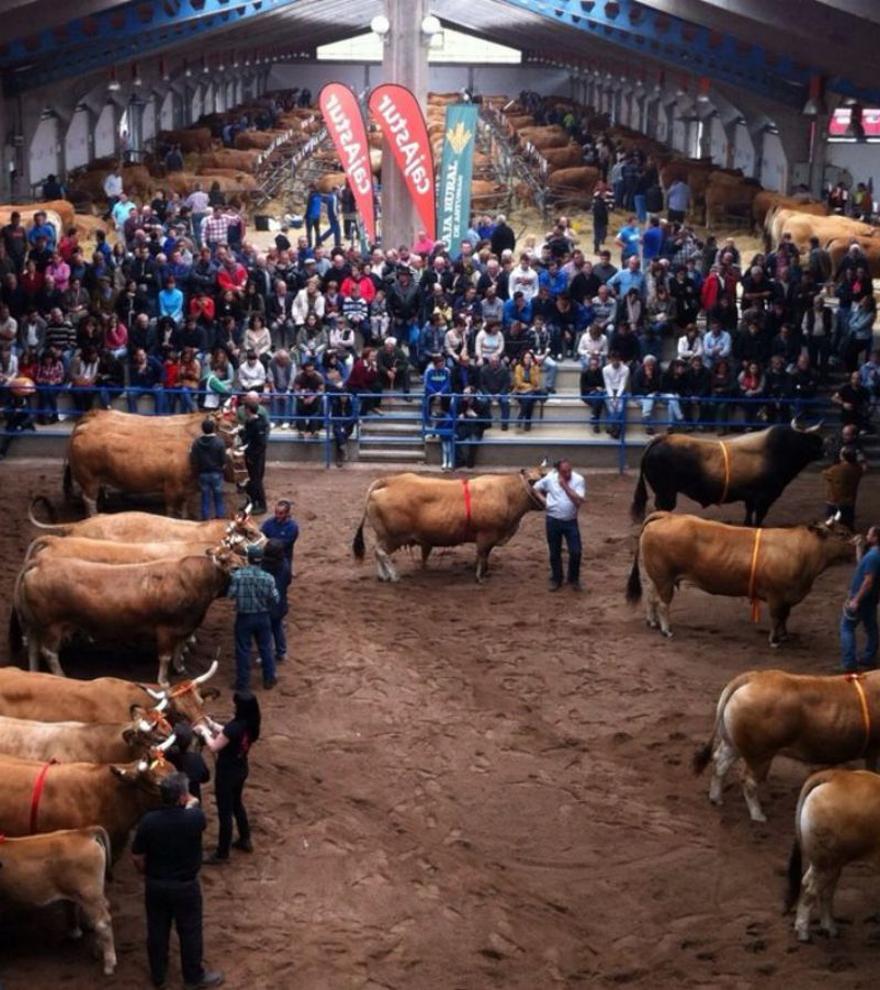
(380, 25)
(431, 25)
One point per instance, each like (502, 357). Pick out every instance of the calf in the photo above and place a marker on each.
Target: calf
(765, 713)
(837, 822)
(70, 865)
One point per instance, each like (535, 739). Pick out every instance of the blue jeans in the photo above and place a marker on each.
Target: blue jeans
(867, 615)
(279, 636)
(211, 487)
(641, 207)
(252, 626)
(567, 529)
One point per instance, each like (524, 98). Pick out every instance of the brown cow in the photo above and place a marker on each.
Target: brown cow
(101, 454)
(82, 742)
(245, 161)
(836, 823)
(146, 527)
(60, 213)
(239, 180)
(802, 226)
(47, 698)
(60, 548)
(191, 139)
(161, 602)
(870, 248)
(79, 794)
(580, 180)
(544, 137)
(722, 560)
(568, 157)
(766, 713)
(407, 509)
(330, 181)
(69, 865)
(726, 196)
(765, 201)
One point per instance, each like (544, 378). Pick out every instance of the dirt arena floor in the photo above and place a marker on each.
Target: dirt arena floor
(465, 788)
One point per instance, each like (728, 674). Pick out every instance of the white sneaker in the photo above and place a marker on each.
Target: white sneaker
(284, 426)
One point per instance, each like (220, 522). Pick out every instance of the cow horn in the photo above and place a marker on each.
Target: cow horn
(794, 425)
(144, 726)
(208, 674)
(158, 695)
(836, 517)
(167, 744)
(816, 428)
(163, 704)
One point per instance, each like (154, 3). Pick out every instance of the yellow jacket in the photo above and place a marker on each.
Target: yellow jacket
(519, 380)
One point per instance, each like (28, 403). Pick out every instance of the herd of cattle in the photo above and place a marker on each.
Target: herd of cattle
(81, 760)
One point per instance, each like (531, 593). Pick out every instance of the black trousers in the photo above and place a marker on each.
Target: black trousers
(255, 462)
(180, 902)
(557, 531)
(228, 787)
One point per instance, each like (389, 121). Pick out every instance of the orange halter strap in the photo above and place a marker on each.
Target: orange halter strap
(856, 681)
(37, 793)
(753, 577)
(725, 453)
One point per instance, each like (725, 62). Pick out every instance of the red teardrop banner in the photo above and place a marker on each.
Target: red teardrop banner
(398, 114)
(346, 127)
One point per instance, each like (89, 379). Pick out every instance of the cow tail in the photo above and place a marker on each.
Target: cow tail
(795, 873)
(358, 547)
(634, 584)
(67, 483)
(50, 512)
(16, 635)
(103, 840)
(640, 495)
(703, 755)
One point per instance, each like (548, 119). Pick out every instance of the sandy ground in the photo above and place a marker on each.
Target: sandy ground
(466, 787)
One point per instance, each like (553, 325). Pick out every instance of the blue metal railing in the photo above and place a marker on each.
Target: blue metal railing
(339, 417)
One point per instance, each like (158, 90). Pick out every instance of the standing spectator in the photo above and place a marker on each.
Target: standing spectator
(167, 850)
(495, 385)
(678, 201)
(208, 457)
(313, 216)
(112, 187)
(503, 238)
(600, 220)
(629, 240)
(841, 488)
(563, 492)
(255, 437)
(232, 745)
(615, 376)
(861, 607)
(254, 593)
(855, 403)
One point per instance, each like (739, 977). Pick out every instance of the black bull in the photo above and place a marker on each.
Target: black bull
(756, 469)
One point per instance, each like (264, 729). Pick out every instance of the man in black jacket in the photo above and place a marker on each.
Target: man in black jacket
(503, 238)
(208, 458)
(167, 849)
(255, 438)
(495, 384)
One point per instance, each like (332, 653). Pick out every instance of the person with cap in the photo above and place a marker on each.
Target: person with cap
(167, 850)
(255, 594)
(208, 458)
(255, 434)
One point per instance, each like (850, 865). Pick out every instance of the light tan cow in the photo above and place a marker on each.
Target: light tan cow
(147, 527)
(160, 602)
(189, 139)
(870, 248)
(62, 548)
(579, 180)
(47, 698)
(69, 865)
(837, 822)
(83, 742)
(802, 226)
(414, 510)
(722, 560)
(765, 201)
(762, 714)
(570, 156)
(540, 138)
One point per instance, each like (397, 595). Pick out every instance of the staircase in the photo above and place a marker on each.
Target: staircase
(395, 435)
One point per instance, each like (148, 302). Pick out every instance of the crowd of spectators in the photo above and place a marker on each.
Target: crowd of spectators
(184, 309)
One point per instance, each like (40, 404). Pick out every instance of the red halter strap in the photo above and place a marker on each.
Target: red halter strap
(465, 484)
(39, 783)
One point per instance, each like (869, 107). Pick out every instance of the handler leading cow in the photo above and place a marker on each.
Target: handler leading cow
(411, 510)
(754, 468)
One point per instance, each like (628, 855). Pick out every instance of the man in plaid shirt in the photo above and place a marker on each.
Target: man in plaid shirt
(255, 593)
(214, 228)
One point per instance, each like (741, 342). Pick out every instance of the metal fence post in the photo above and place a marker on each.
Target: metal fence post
(621, 447)
(325, 399)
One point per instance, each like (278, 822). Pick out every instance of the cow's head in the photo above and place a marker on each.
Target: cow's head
(226, 423)
(530, 477)
(148, 773)
(187, 699)
(838, 540)
(149, 727)
(808, 441)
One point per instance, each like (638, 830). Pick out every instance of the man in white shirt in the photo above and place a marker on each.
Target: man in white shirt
(197, 201)
(523, 279)
(563, 492)
(112, 188)
(615, 374)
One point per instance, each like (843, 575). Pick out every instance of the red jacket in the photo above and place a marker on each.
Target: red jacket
(235, 279)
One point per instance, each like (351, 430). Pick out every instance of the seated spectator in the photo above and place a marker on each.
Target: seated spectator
(145, 374)
(717, 343)
(676, 388)
(855, 403)
(281, 373)
(393, 367)
(592, 388)
(724, 386)
(311, 340)
(527, 388)
(495, 383)
(803, 384)
(817, 327)
(258, 338)
(489, 343)
(615, 376)
(593, 342)
(308, 387)
(83, 376)
(470, 425)
(860, 332)
(541, 347)
(646, 386)
(252, 375)
(171, 301)
(690, 343)
(699, 389)
(438, 386)
(110, 378)
(786, 345)
(751, 388)
(188, 379)
(364, 383)
(49, 378)
(626, 344)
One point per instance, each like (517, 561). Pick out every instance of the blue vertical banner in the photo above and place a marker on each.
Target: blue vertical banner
(456, 168)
